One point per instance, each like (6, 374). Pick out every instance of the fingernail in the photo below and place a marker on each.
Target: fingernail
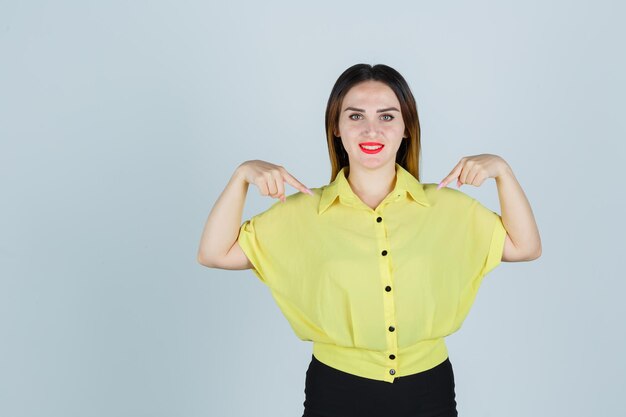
(309, 191)
(438, 187)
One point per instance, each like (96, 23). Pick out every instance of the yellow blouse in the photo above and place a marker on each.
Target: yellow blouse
(375, 290)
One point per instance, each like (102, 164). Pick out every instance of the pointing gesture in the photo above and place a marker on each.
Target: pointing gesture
(270, 178)
(475, 170)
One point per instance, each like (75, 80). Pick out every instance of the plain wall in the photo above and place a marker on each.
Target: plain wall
(121, 123)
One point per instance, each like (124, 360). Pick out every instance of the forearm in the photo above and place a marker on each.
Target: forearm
(517, 215)
(222, 226)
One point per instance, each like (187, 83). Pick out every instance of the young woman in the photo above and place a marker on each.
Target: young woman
(375, 268)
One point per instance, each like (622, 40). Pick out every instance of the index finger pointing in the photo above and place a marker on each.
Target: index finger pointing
(296, 184)
(452, 175)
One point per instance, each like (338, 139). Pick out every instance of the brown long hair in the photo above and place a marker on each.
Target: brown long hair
(409, 152)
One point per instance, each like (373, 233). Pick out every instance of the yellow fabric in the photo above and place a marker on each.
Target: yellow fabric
(322, 258)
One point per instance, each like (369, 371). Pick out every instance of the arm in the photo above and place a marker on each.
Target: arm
(218, 244)
(219, 247)
(522, 242)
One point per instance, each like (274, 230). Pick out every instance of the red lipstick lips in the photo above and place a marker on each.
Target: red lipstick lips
(374, 147)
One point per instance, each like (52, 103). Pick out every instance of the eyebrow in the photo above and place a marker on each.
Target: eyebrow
(377, 111)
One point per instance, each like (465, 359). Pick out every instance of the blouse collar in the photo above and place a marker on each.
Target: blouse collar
(405, 183)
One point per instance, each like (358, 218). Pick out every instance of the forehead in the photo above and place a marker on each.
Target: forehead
(370, 93)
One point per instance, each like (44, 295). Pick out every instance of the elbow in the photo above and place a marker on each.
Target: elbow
(201, 260)
(535, 254)
(204, 261)
(538, 254)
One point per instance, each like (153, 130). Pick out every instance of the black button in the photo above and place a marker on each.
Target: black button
(392, 356)
(379, 219)
(384, 253)
(392, 371)
(391, 328)
(387, 288)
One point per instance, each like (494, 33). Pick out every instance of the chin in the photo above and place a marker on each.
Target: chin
(373, 162)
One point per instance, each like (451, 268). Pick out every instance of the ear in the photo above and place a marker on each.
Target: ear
(336, 132)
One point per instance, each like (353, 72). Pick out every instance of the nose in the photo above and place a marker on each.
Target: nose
(371, 127)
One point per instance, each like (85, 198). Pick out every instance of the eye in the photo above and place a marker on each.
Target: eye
(388, 115)
(354, 114)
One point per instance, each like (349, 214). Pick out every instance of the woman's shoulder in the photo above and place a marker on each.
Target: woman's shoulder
(298, 205)
(446, 197)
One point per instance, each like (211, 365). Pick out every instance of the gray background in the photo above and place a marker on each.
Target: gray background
(121, 123)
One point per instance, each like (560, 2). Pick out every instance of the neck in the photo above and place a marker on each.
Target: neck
(372, 183)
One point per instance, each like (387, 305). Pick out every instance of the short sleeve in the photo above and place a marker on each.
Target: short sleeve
(265, 239)
(283, 258)
(486, 235)
(477, 243)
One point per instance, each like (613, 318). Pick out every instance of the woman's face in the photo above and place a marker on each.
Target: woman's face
(370, 112)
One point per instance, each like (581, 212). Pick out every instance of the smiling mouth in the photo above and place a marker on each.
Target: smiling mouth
(371, 148)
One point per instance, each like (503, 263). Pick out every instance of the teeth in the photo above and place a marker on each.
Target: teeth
(371, 148)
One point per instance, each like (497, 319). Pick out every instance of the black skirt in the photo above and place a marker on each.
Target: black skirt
(330, 392)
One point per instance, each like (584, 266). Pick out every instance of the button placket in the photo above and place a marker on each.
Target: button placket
(388, 297)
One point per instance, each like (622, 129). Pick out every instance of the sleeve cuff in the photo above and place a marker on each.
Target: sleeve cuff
(496, 247)
(244, 240)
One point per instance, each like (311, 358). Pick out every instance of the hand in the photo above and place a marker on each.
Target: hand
(270, 178)
(475, 170)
